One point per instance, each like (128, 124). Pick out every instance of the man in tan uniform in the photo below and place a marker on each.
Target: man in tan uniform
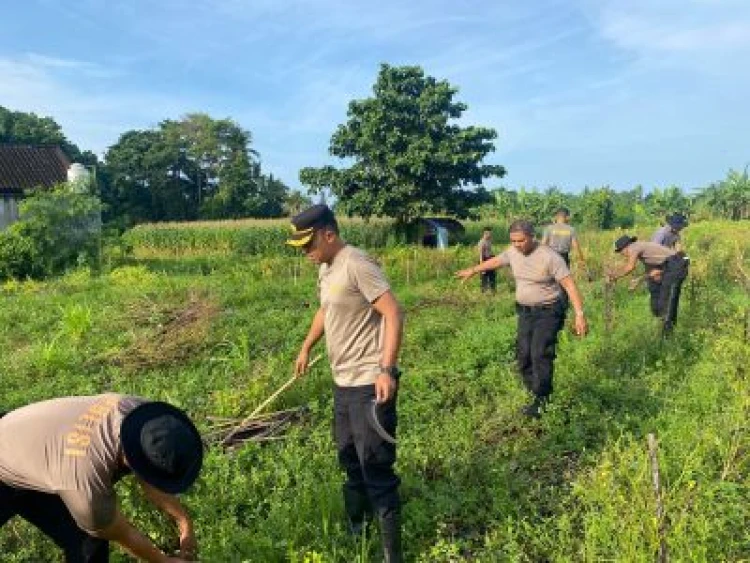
(562, 238)
(541, 275)
(362, 323)
(60, 460)
(666, 269)
(489, 278)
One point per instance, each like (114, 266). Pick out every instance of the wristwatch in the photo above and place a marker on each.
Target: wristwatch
(393, 371)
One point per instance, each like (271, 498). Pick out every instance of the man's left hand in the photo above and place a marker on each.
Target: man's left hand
(385, 388)
(582, 327)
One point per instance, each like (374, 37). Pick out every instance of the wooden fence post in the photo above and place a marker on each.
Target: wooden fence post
(608, 307)
(653, 454)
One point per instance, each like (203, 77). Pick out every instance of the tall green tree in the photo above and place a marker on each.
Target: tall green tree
(141, 183)
(661, 202)
(194, 167)
(295, 202)
(29, 128)
(268, 197)
(728, 199)
(596, 208)
(410, 157)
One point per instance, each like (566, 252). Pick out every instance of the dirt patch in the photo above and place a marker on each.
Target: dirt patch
(169, 333)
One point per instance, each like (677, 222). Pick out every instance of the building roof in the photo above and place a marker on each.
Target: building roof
(23, 167)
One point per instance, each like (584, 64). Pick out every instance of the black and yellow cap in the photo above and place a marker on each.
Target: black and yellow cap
(305, 223)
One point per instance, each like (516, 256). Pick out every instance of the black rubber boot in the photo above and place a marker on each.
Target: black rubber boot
(358, 510)
(534, 410)
(390, 534)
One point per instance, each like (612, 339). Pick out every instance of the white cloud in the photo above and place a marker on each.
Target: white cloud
(688, 32)
(93, 120)
(84, 68)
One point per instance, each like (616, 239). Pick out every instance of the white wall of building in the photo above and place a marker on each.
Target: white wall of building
(8, 211)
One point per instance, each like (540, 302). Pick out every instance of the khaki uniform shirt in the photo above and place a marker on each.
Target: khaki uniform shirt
(560, 237)
(485, 249)
(537, 275)
(650, 253)
(353, 328)
(666, 237)
(68, 447)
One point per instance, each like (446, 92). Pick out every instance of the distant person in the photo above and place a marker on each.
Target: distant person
(489, 278)
(362, 323)
(561, 237)
(60, 460)
(541, 277)
(666, 269)
(669, 234)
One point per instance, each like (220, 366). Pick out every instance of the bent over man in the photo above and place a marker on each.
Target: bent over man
(362, 324)
(60, 460)
(541, 275)
(665, 272)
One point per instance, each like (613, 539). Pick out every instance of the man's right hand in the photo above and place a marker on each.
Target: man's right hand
(464, 275)
(301, 363)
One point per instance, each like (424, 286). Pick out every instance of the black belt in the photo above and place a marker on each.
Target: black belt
(532, 308)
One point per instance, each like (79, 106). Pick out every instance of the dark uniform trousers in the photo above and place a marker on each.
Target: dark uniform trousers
(536, 343)
(49, 513)
(665, 294)
(366, 457)
(489, 281)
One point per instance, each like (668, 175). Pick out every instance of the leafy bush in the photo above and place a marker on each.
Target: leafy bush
(57, 229)
(16, 255)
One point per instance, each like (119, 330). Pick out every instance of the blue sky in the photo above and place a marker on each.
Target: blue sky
(581, 92)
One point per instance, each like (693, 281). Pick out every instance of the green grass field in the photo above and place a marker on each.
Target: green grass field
(217, 332)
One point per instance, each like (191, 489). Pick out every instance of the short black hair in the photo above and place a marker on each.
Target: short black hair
(522, 226)
(487, 229)
(563, 211)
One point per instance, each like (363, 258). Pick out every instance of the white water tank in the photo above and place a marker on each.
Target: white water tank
(78, 178)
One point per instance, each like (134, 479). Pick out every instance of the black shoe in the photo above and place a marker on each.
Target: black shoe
(534, 410)
(358, 510)
(390, 534)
